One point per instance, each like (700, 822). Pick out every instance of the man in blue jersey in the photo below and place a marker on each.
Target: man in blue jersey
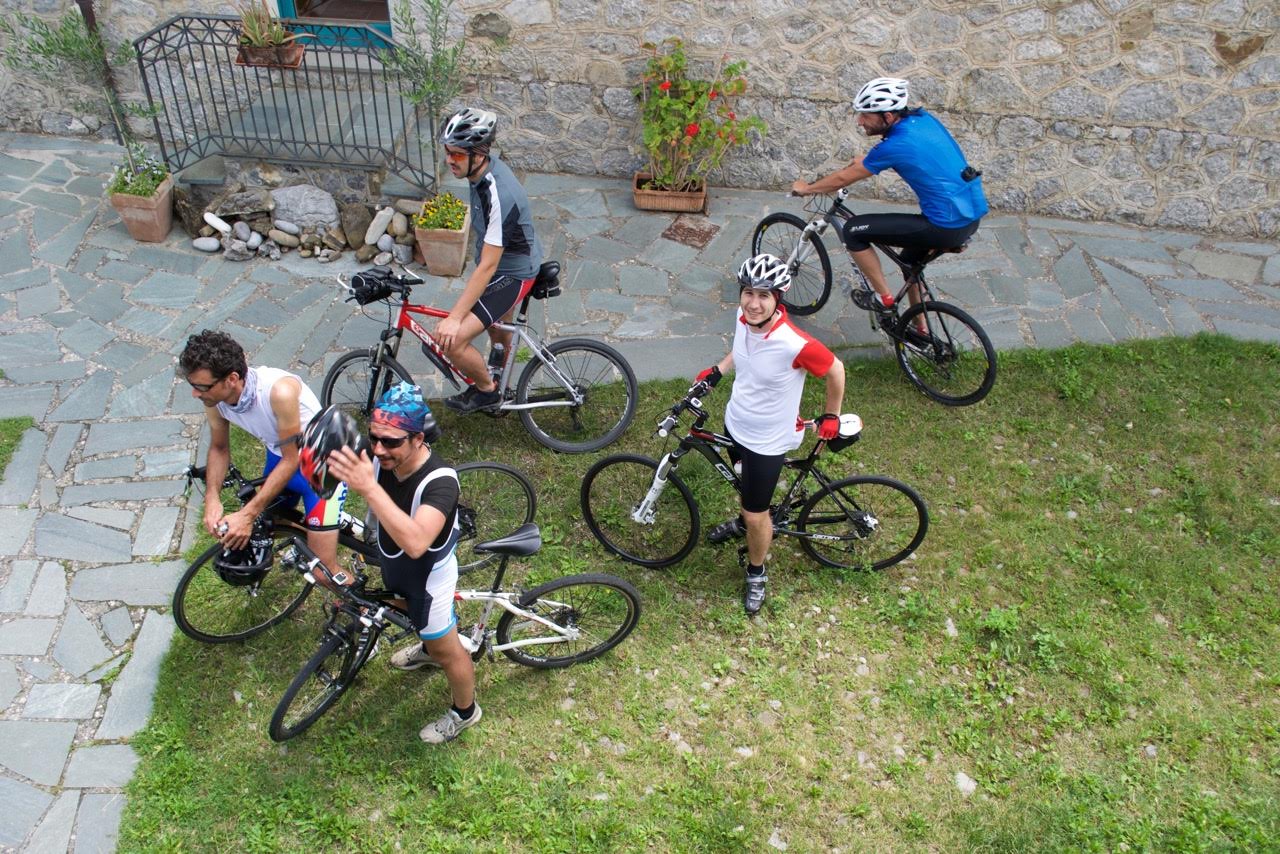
(508, 253)
(916, 146)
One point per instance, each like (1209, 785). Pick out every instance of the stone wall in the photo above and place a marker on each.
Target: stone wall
(1145, 111)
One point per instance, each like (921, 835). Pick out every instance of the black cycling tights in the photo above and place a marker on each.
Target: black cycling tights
(759, 477)
(913, 232)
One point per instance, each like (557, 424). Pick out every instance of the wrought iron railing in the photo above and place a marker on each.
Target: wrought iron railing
(339, 107)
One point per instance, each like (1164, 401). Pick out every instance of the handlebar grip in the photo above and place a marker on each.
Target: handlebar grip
(195, 472)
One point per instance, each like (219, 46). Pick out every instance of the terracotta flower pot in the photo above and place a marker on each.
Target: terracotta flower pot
(271, 56)
(148, 218)
(678, 201)
(443, 250)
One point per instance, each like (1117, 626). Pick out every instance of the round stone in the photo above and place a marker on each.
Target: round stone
(207, 244)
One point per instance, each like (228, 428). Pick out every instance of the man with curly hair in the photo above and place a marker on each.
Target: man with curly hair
(273, 406)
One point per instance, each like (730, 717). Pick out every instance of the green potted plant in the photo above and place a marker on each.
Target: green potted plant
(141, 191)
(441, 229)
(264, 40)
(688, 124)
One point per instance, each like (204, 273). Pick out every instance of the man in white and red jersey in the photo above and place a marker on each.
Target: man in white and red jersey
(770, 359)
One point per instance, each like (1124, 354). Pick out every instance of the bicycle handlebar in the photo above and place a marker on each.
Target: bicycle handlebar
(692, 400)
(372, 612)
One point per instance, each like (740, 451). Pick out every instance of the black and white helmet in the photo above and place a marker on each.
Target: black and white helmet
(882, 95)
(468, 128)
(766, 273)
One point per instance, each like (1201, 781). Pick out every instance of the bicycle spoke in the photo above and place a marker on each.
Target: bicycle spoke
(592, 613)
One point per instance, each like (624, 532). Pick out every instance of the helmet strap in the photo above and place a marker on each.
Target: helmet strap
(472, 168)
(762, 324)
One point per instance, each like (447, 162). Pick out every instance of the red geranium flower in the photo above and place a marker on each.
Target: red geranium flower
(691, 130)
(732, 117)
(664, 85)
(713, 94)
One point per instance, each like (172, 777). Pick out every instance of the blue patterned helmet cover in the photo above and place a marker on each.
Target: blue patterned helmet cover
(402, 407)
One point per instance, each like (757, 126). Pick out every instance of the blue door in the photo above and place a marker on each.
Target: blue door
(371, 13)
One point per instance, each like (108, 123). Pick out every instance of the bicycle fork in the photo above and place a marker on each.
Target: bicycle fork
(647, 510)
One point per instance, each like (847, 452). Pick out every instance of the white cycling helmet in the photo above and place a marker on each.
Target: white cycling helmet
(764, 272)
(468, 128)
(882, 95)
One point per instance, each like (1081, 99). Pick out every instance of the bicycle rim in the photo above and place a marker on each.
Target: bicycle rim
(955, 363)
(780, 235)
(318, 685)
(601, 609)
(874, 522)
(597, 372)
(349, 383)
(210, 610)
(612, 490)
(499, 499)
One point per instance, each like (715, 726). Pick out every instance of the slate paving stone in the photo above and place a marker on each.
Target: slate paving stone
(88, 402)
(62, 248)
(164, 289)
(1121, 324)
(110, 467)
(280, 348)
(86, 337)
(607, 251)
(121, 271)
(39, 669)
(166, 463)
(28, 348)
(122, 519)
(1073, 274)
(146, 398)
(23, 806)
(1246, 331)
(581, 229)
(1185, 319)
(19, 167)
(668, 255)
(117, 625)
(136, 491)
(1222, 265)
(105, 438)
(155, 532)
(1203, 289)
(104, 304)
(15, 589)
(36, 749)
(88, 260)
(61, 445)
(53, 836)
(38, 301)
(49, 593)
(26, 400)
(1241, 311)
(48, 494)
(63, 319)
(75, 285)
(144, 321)
(55, 173)
(147, 584)
(15, 251)
(60, 536)
(1133, 294)
(79, 647)
(98, 823)
(637, 280)
(11, 282)
(62, 701)
(20, 474)
(10, 683)
(15, 529)
(130, 702)
(100, 766)
(1051, 334)
(101, 672)
(1007, 290)
(72, 369)
(181, 263)
(122, 355)
(61, 202)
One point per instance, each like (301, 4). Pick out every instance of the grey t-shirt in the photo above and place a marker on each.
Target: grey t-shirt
(501, 216)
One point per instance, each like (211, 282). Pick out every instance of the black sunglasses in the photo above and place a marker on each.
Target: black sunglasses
(388, 442)
(204, 387)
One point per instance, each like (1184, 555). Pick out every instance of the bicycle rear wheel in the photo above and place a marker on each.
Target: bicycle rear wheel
(603, 378)
(866, 522)
(600, 610)
(496, 500)
(210, 610)
(779, 234)
(612, 490)
(318, 685)
(954, 363)
(354, 383)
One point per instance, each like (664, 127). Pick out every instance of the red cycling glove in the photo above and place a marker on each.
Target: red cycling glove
(828, 426)
(710, 376)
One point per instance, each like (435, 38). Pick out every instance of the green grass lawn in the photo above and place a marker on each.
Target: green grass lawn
(1089, 632)
(11, 430)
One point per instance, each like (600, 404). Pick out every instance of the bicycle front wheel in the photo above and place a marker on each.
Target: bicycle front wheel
(611, 495)
(496, 500)
(594, 370)
(318, 685)
(953, 361)
(211, 610)
(780, 235)
(865, 522)
(355, 383)
(593, 613)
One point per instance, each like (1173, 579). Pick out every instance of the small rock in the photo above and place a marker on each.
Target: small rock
(207, 244)
(862, 670)
(744, 752)
(306, 206)
(217, 222)
(1149, 751)
(385, 242)
(683, 747)
(966, 784)
(382, 258)
(241, 231)
(335, 238)
(207, 231)
(399, 225)
(952, 631)
(255, 240)
(401, 253)
(1071, 514)
(326, 255)
(366, 253)
(408, 207)
(406, 239)
(243, 204)
(775, 841)
(378, 226)
(269, 249)
(311, 240)
(768, 719)
(305, 252)
(567, 704)
(355, 222)
(287, 227)
(237, 250)
(282, 238)
(775, 704)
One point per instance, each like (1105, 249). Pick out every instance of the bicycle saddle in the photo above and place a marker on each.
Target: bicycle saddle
(547, 282)
(525, 541)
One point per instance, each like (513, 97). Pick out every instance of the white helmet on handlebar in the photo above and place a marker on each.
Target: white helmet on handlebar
(882, 95)
(766, 273)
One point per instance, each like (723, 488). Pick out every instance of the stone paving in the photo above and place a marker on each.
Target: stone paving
(91, 513)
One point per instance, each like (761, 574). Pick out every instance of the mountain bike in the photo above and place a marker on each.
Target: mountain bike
(562, 622)
(574, 395)
(217, 604)
(943, 351)
(640, 510)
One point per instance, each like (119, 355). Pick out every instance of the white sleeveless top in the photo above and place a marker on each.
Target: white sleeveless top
(253, 412)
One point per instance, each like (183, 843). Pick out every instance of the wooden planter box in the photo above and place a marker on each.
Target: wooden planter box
(276, 56)
(444, 251)
(148, 218)
(667, 200)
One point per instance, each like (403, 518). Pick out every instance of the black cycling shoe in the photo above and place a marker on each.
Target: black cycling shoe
(868, 300)
(725, 531)
(753, 596)
(472, 400)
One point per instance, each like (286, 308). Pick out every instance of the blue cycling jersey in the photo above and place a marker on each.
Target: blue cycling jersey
(924, 153)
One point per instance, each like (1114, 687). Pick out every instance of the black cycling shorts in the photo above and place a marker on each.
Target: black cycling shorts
(913, 232)
(499, 297)
(759, 478)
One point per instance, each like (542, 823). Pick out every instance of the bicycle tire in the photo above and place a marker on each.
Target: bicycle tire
(615, 608)
(328, 672)
(810, 283)
(353, 385)
(604, 378)
(957, 365)
(210, 610)
(500, 499)
(614, 487)
(837, 509)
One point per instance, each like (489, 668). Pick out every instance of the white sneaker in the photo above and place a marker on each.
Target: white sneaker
(412, 658)
(448, 726)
